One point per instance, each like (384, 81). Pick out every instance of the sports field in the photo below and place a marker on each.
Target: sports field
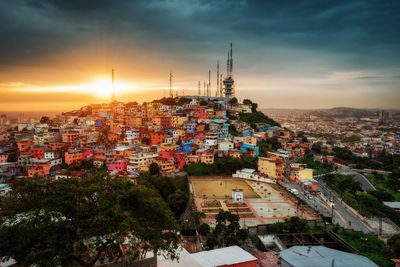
(263, 202)
(221, 188)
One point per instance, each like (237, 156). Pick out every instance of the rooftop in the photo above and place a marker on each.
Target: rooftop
(306, 256)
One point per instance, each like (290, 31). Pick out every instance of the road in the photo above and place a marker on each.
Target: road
(365, 183)
(352, 220)
(322, 203)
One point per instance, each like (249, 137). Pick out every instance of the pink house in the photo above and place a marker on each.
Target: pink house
(119, 166)
(86, 153)
(3, 158)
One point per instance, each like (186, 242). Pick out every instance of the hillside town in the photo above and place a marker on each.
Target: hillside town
(126, 138)
(277, 173)
(366, 133)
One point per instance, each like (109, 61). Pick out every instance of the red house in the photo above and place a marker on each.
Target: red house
(156, 138)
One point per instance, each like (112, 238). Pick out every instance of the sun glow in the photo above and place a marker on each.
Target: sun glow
(102, 87)
(99, 87)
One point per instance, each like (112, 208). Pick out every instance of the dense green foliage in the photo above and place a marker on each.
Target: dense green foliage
(227, 231)
(383, 161)
(257, 117)
(225, 165)
(352, 138)
(173, 190)
(154, 169)
(268, 145)
(343, 183)
(204, 229)
(388, 185)
(292, 225)
(369, 204)
(71, 222)
(369, 246)
(394, 244)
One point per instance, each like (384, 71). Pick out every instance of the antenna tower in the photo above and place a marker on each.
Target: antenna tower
(113, 97)
(199, 90)
(170, 85)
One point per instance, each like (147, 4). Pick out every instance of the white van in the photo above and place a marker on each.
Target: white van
(294, 191)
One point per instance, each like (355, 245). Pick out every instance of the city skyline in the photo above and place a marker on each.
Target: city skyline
(58, 55)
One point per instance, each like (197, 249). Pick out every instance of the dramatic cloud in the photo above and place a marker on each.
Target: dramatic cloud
(336, 53)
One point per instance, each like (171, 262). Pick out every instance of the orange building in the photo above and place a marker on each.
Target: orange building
(166, 166)
(55, 146)
(40, 169)
(156, 138)
(234, 153)
(72, 156)
(24, 145)
(207, 158)
(70, 138)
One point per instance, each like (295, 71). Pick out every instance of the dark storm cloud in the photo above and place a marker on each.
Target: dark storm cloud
(351, 27)
(355, 33)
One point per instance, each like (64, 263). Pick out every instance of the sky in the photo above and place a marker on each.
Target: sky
(58, 54)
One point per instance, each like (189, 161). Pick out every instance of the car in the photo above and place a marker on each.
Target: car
(309, 196)
(294, 191)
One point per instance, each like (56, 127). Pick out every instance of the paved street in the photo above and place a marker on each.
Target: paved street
(365, 183)
(321, 202)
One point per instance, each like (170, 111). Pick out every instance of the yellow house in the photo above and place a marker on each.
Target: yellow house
(304, 174)
(273, 168)
(167, 147)
(166, 165)
(177, 121)
(207, 158)
(250, 140)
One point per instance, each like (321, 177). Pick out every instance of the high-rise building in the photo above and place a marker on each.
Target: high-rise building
(3, 119)
(21, 118)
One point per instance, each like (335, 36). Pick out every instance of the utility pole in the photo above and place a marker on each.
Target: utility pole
(217, 90)
(113, 97)
(199, 90)
(170, 85)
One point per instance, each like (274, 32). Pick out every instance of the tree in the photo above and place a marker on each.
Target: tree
(44, 119)
(195, 217)
(292, 225)
(69, 222)
(183, 100)
(316, 148)
(154, 169)
(247, 102)
(204, 229)
(203, 102)
(211, 243)
(394, 244)
(12, 157)
(227, 230)
(254, 107)
(233, 101)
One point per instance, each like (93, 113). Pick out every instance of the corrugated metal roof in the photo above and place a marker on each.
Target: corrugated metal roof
(393, 205)
(223, 256)
(305, 256)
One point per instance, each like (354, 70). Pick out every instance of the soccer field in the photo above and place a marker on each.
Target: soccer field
(221, 188)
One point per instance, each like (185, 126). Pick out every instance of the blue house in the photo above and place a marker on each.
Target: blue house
(249, 149)
(187, 148)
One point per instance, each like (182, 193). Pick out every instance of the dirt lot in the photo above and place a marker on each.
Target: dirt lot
(221, 188)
